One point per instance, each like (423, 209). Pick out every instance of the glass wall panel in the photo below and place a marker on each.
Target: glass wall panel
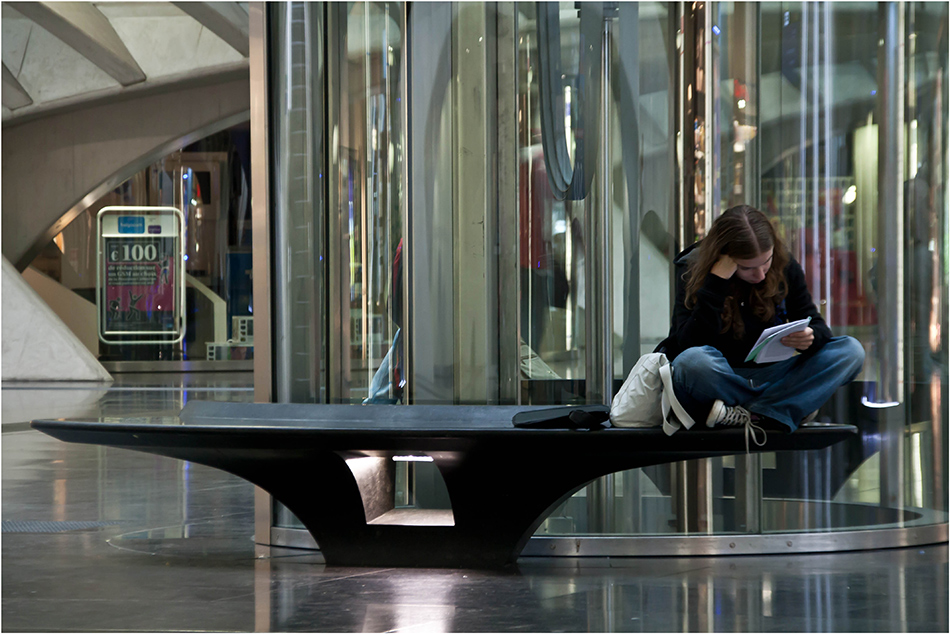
(927, 257)
(338, 198)
(552, 263)
(366, 198)
(826, 136)
(480, 202)
(454, 254)
(595, 272)
(209, 181)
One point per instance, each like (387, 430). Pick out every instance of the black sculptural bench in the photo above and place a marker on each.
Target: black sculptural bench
(333, 467)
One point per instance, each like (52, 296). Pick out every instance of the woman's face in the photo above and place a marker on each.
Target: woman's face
(753, 271)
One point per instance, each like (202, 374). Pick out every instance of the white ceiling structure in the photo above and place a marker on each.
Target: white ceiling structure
(62, 53)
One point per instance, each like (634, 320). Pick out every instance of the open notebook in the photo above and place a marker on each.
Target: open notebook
(769, 347)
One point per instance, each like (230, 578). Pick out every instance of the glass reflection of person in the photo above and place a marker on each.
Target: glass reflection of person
(730, 287)
(535, 203)
(389, 381)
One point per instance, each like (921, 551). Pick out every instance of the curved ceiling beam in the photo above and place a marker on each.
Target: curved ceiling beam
(227, 20)
(56, 166)
(125, 173)
(14, 95)
(82, 27)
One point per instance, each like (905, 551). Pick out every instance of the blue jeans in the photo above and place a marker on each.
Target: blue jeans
(786, 391)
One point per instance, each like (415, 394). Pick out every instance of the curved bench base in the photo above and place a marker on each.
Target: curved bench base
(338, 478)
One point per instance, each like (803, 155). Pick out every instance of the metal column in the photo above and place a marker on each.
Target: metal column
(599, 371)
(692, 495)
(890, 264)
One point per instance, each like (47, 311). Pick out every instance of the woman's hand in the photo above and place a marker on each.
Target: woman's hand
(800, 340)
(725, 267)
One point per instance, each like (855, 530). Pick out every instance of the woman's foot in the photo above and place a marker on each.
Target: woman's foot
(722, 415)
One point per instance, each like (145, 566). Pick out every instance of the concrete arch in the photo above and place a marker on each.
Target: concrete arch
(57, 164)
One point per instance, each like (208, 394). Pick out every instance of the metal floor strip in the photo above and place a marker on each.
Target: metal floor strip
(47, 526)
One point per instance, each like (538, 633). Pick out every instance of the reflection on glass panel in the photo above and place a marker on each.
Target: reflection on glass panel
(643, 168)
(369, 198)
(552, 246)
(452, 337)
(925, 202)
(639, 134)
(824, 112)
(738, 100)
(207, 180)
(371, 142)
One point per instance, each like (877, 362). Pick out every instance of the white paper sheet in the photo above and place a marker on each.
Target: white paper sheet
(769, 347)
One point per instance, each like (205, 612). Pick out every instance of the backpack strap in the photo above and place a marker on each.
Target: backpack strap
(669, 401)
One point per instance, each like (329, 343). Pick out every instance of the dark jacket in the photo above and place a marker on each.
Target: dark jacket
(701, 326)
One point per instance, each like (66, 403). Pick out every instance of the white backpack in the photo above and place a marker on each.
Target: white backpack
(646, 397)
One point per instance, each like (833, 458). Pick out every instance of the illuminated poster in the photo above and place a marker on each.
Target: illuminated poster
(140, 284)
(141, 279)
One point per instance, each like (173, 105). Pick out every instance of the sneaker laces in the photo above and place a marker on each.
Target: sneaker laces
(734, 416)
(740, 417)
(750, 429)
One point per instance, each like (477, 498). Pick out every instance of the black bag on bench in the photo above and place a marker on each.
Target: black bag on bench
(581, 417)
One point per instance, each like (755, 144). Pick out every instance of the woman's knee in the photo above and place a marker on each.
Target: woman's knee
(696, 359)
(851, 351)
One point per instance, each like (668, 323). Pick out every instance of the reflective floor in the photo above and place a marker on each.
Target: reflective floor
(98, 539)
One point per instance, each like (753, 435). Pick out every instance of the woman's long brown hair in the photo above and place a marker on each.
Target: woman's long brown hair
(742, 233)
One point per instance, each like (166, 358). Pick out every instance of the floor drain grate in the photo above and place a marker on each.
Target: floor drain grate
(41, 526)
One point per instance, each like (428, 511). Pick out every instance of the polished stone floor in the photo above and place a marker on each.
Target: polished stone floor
(99, 539)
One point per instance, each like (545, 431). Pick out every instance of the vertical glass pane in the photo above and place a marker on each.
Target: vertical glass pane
(737, 96)
(367, 201)
(813, 153)
(552, 253)
(641, 107)
(638, 146)
(831, 83)
(452, 244)
(926, 258)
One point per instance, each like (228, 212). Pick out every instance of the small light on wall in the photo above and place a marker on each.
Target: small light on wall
(413, 459)
(741, 104)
